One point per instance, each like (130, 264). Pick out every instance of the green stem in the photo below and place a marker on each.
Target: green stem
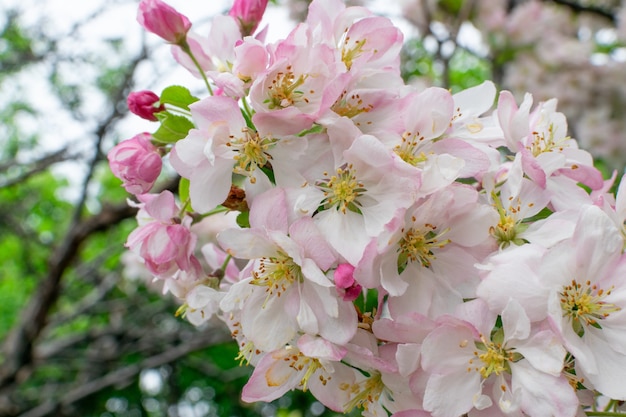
(185, 46)
(605, 413)
(225, 264)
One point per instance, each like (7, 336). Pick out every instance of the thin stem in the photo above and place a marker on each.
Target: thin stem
(605, 414)
(185, 47)
(225, 263)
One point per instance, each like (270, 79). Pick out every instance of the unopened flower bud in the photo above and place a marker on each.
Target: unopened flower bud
(137, 163)
(346, 286)
(163, 20)
(144, 104)
(248, 14)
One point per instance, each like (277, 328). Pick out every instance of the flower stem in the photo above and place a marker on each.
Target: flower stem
(605, 414)
(187, 50)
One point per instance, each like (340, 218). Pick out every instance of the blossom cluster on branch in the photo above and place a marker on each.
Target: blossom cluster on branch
(405, 251)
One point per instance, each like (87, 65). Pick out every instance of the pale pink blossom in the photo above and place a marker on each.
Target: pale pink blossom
(285, 290)
(357, 193)
(523, 365)
(163, 20)
(311, 363)
(137, 162)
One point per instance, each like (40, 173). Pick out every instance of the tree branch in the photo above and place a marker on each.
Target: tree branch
(123, 376)
(578, 8)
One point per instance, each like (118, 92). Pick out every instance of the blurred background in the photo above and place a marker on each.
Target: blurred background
(83, 330)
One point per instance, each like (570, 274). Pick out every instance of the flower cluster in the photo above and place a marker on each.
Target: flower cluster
(407, 252)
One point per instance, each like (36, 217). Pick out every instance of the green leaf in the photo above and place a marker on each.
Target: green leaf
(178, 96)
(183, 192)
(243, 219)
(173, 127)
(315, 129)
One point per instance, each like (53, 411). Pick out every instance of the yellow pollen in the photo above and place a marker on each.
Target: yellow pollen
(364, 393)
(276, 274)
(583, 304)
(251, 152)
(283, 91)
(350, 53)
(342, 190)
(541, 143)
(417, 245)
(408, 149)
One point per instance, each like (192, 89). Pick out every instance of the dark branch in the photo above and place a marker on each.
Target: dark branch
(125, 375)
(580, 8)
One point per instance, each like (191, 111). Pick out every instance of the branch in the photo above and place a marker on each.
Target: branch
(34, 167)
(579, 8)
(123, 376)
(18, 347)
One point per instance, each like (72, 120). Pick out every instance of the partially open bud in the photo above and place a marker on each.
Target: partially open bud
(137, 162)
(144, 104)
(248, 14)
(162, 20)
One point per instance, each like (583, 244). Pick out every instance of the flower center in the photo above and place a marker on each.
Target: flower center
(341, 190)
(541, 143)
(364, 393)
(583, 304)
(306, 365)
(408, 150)
(251, 152)
(350, 106)
(276, 274)
(417, 245)
(283, 91)
(351, 50)
(510, 225)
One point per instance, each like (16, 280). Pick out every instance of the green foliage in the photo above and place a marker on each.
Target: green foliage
(173, 127)
(177, 96)
(16, 46)
(417, 61)
(467, 70)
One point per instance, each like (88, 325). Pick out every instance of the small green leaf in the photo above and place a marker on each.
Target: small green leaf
(315, 129)
(178, 96)
(183, 192)
(173, 127)
(243, 219)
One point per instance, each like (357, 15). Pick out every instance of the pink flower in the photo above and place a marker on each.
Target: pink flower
(136, 162)
(162, 20)
(163, 241)
(248, 13)
(144, 104)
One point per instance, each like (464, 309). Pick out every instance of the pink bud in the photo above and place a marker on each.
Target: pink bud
(144, 104)
(248, 13)
(346, 286)
(162, 20)
(136, 162)
(163, 240)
